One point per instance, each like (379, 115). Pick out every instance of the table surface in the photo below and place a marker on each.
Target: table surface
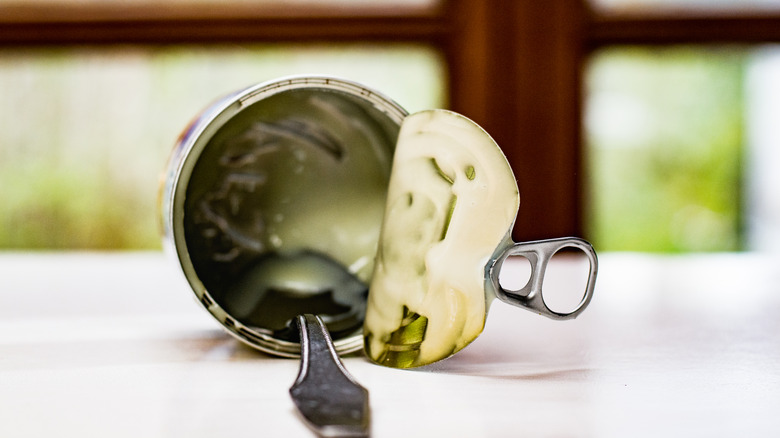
(114, 345)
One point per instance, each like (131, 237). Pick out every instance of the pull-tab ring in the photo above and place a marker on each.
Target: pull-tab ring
(538, 254)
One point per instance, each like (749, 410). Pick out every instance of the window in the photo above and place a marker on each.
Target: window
(681, 148)
(516, 68)
(81, 157)
(664, 135)
(676, 128)
(85, 129)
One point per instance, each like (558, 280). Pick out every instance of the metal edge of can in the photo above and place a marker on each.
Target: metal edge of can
(186, 153)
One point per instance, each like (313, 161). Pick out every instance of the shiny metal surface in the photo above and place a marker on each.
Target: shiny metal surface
(211, 175)
(331, 402)
(539, 253)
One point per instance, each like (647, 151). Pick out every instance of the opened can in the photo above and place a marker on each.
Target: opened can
(272, 204)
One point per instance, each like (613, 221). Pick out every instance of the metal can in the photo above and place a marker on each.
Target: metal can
(272, 204)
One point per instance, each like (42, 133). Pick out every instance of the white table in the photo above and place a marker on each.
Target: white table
(114, 345)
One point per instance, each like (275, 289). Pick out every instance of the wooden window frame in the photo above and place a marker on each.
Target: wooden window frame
(515, 67)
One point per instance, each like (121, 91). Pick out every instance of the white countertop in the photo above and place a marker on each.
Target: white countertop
(114, 345)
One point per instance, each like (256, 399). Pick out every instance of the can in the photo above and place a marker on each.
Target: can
(272, 203)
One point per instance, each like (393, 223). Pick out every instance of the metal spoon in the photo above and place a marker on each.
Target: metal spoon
(331, 402)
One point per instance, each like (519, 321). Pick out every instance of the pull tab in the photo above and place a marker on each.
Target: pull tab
(539, 254)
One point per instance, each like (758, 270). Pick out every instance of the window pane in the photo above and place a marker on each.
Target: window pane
(664, 133)
(692, 5)
(762, 184)
(85, 132)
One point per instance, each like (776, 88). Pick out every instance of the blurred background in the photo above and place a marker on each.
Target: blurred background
(661, 114)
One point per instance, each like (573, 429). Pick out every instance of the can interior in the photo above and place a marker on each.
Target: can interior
(283, 209)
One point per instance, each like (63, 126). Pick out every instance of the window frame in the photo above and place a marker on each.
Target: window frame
(515, 67)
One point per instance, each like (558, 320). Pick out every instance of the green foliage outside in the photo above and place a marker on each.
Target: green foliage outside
(664, 134)
(85, 132)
